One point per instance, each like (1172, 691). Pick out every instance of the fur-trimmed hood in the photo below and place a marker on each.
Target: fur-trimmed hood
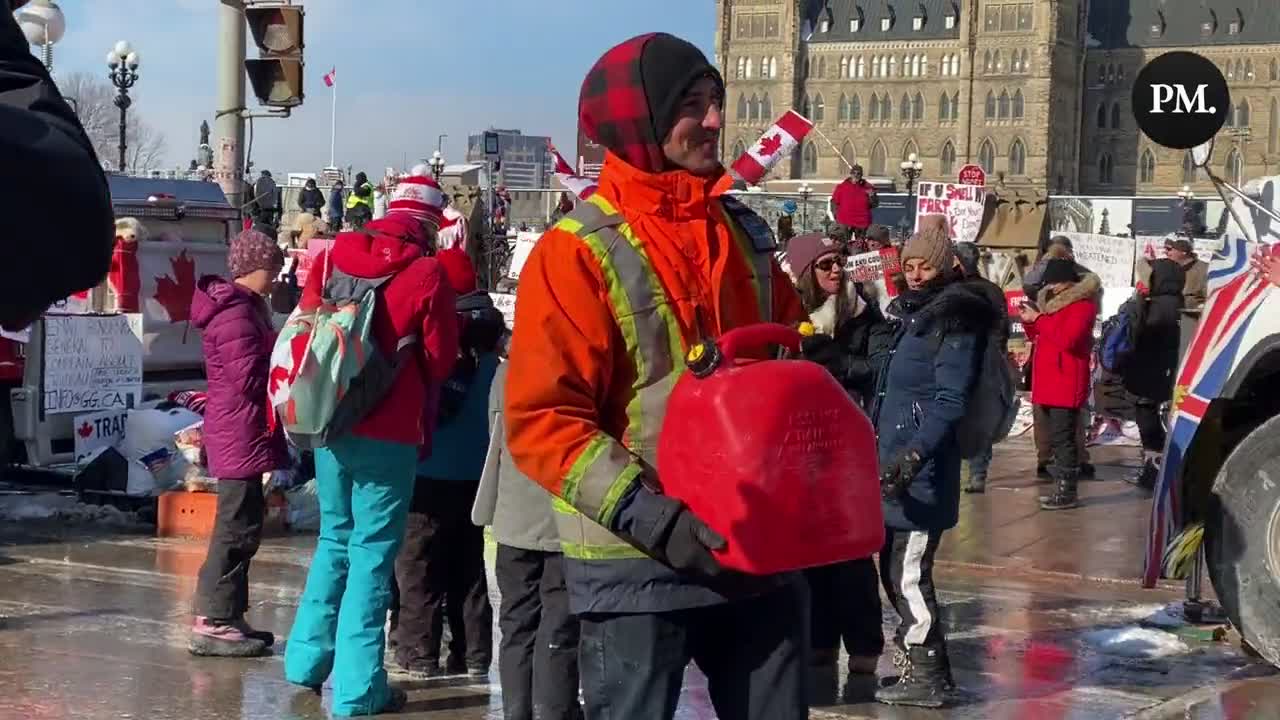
(1088, 287)
(825, 320)
(960, 306)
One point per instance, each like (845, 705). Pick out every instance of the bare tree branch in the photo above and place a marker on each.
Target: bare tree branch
(93, 99)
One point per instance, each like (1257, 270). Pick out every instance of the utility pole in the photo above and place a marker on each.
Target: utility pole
(229, 122)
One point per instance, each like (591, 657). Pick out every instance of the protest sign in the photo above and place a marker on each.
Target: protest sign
(524, 245)
(876, 268)
(1111, 258)
(506, 304)
(98, 430)
(962, 206)
(92, 362)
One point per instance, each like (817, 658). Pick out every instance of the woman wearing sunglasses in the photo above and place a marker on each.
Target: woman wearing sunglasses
(845, 598)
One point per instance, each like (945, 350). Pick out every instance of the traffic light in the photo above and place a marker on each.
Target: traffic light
(276, 75)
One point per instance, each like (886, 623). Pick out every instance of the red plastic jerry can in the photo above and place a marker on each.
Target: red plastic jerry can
(771, 454)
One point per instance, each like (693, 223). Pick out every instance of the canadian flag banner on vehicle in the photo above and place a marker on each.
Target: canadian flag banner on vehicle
(776, 143)
(331, 78)
(579, 185)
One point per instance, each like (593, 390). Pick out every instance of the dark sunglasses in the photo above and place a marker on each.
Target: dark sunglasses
(826, 264)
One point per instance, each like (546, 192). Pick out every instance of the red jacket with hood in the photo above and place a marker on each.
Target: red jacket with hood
(417, 300)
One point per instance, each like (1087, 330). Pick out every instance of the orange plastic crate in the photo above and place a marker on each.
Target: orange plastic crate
(186, 514)
(191, 514)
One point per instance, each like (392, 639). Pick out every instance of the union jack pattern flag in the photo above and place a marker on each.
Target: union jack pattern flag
(1236, 295)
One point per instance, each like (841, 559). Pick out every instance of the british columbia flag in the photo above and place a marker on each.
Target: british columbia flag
(1236, 295)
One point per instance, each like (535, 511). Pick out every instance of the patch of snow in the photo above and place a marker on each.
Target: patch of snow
(1136, 642)
(62, 507)
(1169, 616)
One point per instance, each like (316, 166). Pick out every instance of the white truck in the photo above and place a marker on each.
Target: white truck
(1221, 469)
(188, 225)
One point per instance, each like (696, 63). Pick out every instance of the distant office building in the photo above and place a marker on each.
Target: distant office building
(590, 156)
(526, 160)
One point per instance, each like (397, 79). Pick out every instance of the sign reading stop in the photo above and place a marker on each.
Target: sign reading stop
(972, 175)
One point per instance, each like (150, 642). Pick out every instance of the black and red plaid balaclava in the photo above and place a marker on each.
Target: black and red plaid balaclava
(632, 95)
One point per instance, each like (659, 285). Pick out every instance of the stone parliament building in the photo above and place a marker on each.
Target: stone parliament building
(1037, 92)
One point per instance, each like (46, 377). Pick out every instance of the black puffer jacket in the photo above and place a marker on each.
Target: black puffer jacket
(59, 230)
(1155, 358)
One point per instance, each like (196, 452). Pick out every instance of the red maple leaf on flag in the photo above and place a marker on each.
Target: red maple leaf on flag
(770, 145)
(175, 293)
(85, 430)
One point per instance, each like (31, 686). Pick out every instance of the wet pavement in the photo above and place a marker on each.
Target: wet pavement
(1046, 621)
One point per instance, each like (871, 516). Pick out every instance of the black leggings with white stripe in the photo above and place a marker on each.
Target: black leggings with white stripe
(906, 572)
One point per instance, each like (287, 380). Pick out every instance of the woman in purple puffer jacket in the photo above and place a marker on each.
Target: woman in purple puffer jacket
(240, 442)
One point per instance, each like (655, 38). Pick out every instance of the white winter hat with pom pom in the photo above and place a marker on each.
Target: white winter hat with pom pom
(418, 195)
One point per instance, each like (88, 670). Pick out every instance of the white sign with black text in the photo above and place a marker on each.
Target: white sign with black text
(92, 363)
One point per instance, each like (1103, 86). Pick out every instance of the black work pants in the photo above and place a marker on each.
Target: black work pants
(844, 601)
(442, 563)
(538, 653)
(222, 590)
(1150, 425)
(753, 653)
(906, 572)
(1064, 439)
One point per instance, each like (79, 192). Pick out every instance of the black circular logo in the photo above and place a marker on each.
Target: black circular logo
(1181, 100)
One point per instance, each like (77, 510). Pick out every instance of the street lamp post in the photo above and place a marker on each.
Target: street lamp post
(437, 165)
(911, 170)
(805, 191)
(43, 24)
(123, 62)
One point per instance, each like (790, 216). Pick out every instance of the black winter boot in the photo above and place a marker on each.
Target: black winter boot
(925, 682)
(1146, 477)
(1064, 496)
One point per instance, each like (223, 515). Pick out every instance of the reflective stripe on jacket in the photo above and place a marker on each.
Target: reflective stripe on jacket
(610, 299)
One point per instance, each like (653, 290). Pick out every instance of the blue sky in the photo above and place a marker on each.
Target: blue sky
(408, 70)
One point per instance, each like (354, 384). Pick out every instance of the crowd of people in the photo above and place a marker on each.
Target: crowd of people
(548, 435)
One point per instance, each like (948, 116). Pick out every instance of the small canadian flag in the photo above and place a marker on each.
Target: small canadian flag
(777, 142)
(581, 186)
(331, 78)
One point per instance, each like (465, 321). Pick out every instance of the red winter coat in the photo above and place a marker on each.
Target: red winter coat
(853, 203)
(1063, 349)
(418, 300)
(237, 338)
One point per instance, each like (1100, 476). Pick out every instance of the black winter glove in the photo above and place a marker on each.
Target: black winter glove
(824, 350)
(898, 474)
(666, 530)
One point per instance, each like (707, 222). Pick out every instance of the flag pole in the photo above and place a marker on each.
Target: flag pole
(333, 123)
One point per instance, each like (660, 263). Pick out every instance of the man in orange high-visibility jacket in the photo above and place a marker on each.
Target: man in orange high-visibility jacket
(610, 300)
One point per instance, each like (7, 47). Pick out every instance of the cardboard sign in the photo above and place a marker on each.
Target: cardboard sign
(1110, 257)
(92, 363)
(962, 205)
(98, 430)
(524, 245)
(506, 304)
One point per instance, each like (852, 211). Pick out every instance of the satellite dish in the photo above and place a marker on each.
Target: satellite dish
(1202, 154)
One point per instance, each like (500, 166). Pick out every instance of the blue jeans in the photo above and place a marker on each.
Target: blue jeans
(980, 465)
(364, 488)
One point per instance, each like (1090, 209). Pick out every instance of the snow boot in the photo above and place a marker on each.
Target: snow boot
(1146, 477)
(210, 638)
(977, 485)
(925, 681)
(396, 700)
(426, 669)
(266, 636)
(1064, 496)
(824, 679)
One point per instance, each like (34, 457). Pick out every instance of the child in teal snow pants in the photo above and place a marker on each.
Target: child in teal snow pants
(364, 488)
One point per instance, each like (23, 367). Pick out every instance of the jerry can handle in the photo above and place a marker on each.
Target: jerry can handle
(758, 337)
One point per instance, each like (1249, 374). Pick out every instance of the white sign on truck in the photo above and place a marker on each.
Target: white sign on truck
(92, 363)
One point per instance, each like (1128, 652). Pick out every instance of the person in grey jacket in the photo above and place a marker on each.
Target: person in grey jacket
(59, 227)
(538, 654)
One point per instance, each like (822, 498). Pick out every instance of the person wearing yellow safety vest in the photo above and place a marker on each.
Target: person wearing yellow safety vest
(360, 202)
(611, 299)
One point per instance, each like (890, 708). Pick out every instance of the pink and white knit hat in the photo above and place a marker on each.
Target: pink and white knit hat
(418, 195)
